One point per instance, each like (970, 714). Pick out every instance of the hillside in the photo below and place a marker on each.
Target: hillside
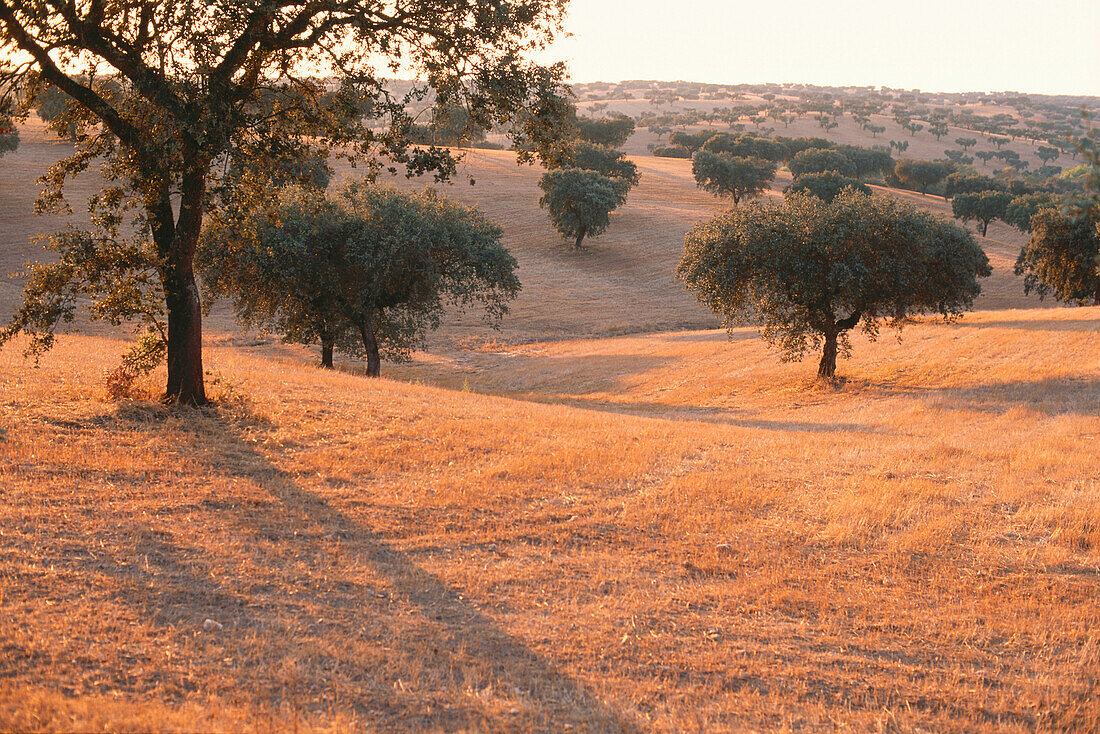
(607, 516)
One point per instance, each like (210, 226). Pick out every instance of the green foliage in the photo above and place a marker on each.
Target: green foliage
(612, 132)
(961, 182)
(1062, 257)
(920, 175)
(795, 146)
(580, 202)
(603, 160)
(868, 162)
(731, 177)
(671, 151)
(9, 136)
(819, 161)
(746, 146)
(982, 207)
(825, 185)
(808, 271)
(691, 141)
(1022, 208)
(371, 263)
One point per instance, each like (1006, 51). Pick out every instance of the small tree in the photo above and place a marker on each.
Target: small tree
(970, 183)
(691, 141)
(730, 176)
(825, 185)
(939, 129)
(982, 207)
(372, 264)
(1062, 257)
(809, 272)
(603, 160)
(580, 202)
(966, 143)
(920, 175)
(985, 156)
(1047, 154)
(819, 161)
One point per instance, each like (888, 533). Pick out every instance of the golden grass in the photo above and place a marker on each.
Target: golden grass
(663, 532)
(589, 521)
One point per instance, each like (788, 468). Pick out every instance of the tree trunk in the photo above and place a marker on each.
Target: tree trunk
(1096, 295)
(827, 367)
(580, 238)
(985, 227)
(326, 353)
(181, 292)
(185, 385)
(370, 344)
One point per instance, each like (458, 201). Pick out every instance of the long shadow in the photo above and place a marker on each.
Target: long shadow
(424, 622)
(1086, 325)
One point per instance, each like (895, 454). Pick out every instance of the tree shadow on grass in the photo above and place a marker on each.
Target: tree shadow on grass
(302, 587)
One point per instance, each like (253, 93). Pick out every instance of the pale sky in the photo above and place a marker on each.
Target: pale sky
(1038, 46)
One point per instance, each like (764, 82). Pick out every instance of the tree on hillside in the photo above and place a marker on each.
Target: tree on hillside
(876, 130)
(868, 162)
(612, 132)
(189, 91)
(1022, 208)
(746, 146)
(580, 202)
(1062, 258)
(809, 272)
(371, 264)
(982, 207)
(691, 141)
(966, 143)
(825, 185)
(1047, 154)
(920, 175)
(970, 183)
(730, 176)
(939, 129)
(985, 156)
(819, 161)
(900, 145)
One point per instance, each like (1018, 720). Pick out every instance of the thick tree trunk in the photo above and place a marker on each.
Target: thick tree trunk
(181, 292)
(326, 353)
(580, 238)
(1096, 295)
(185, 385)
(827, 367)
(370, 344)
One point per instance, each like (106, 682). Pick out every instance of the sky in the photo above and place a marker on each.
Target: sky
(1036, 46)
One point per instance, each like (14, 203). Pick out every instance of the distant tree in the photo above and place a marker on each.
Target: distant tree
(900, 145)
(691, 141)
(825, 185)
(671, 151)
(818, 161)
(985, 156)
(875, 130)
(1062, 258)
(612, 132)
(809, 272)
(970, 183)
(659, 130)
(982, 207)
(868, 162)
(939, 129)
(920, 175)
(966, 143)
(452, 125)
(914, 128)
(731, 177)
(1022, 208)
(580, 202)
(9, 135)
(1047, 154)
(998, 141)
(746, 146)
(372, 264)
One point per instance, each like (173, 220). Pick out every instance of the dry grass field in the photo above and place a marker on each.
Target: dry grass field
(607, 516)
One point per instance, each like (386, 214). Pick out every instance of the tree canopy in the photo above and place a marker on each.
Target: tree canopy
(809, 271)
(371, 264)
(179, 90)
(982, 207)
(921, 175)
(731, 177)
(1062, 258)
(821, 160)
(580, 202)
(612, 132)
(825, 185)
